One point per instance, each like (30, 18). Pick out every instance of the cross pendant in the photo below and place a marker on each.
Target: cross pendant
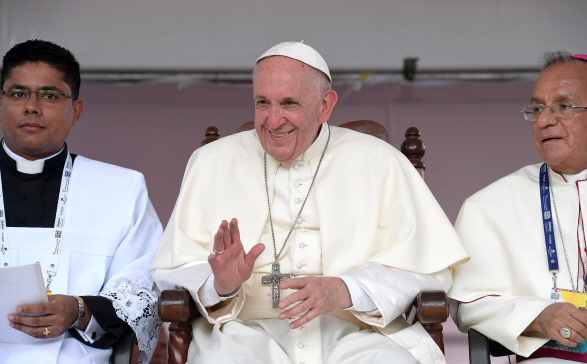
(274, 279)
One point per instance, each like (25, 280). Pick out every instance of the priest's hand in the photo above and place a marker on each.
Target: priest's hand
(316, 296)
(233, 266)
(559, 315)
(54, 318)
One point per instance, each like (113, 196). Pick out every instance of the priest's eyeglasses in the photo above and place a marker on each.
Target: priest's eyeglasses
(560, 110)
(49, 97)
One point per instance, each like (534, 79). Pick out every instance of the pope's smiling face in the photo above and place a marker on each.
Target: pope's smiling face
(289, 107)
(562, 143)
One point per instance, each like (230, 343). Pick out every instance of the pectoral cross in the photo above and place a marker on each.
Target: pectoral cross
(3, 249)
(274, 279)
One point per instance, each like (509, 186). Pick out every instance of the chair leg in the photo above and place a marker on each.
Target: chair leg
(180, 336)
(478, 348)
(435, 330)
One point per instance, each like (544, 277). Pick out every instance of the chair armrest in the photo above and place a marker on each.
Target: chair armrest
(123, 349)
(432, 311)
(178, 307)
(432, 307)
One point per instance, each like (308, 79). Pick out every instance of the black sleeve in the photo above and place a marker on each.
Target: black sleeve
(105, 315)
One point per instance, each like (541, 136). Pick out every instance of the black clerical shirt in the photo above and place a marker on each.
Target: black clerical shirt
(30, 201)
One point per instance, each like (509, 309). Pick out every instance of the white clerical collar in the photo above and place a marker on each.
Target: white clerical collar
(24, 165)
(572, 178)
(316, 149)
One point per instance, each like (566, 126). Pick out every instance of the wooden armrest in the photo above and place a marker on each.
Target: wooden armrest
(432, 307)
(432, 310)
(177, 305)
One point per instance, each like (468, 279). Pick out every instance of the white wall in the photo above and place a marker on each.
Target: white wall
(355, 35)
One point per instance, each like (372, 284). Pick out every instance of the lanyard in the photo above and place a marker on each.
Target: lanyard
(58, 229)
(547, 220)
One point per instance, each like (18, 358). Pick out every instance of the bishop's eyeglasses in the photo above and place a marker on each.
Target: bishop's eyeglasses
(49, 97)
(560, 110)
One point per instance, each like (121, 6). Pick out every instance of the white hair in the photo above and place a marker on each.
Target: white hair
(557, 57)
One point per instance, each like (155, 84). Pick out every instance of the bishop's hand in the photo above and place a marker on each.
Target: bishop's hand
(231, 265)
(558, 315)
(316, 295)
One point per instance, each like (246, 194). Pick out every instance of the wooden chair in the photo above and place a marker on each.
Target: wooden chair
(431, 307)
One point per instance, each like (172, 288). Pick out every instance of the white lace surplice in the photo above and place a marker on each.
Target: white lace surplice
(134, 297)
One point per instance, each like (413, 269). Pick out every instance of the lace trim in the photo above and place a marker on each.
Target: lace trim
(135, 302)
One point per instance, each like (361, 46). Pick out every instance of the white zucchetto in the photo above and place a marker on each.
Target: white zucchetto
(301, 52)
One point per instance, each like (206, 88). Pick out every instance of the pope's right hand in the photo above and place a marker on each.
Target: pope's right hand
(233, 266)
(559, 315)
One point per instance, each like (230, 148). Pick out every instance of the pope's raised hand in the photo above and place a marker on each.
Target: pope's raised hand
(231, 265)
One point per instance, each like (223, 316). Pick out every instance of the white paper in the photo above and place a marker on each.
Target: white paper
(21, 285)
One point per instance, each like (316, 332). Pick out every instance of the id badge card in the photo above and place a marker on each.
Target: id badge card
(579, 300)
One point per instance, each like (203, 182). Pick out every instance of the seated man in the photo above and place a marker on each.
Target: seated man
(525, 233)
(342, 213)
(90, 225)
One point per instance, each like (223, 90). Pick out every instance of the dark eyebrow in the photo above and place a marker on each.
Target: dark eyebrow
(50, 88)
(17, 86)
(44, 88)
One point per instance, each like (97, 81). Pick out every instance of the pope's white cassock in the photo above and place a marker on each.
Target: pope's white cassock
(110, 235)
(368, 211)
(507, 282)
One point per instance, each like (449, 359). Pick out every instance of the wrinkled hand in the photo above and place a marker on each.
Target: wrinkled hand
(233, 267)
(557, 316)
(317, 296)
(56, 315)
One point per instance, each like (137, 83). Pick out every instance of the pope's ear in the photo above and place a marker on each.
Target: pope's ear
(78, 107)
(329, 99)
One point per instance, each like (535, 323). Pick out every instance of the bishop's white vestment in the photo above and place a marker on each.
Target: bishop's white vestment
(507, 282)
(368, 210)
(110, 235)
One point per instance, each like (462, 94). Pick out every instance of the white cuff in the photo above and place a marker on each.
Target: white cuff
(361, 300)
(208, 295)
(93, 332)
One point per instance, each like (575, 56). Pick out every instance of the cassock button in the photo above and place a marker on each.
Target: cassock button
(301, 345)
(297, 200)
(23, 196)
(297, 184)
(93, 335)
(21, 220)
(296, 167)
(302, 245)
(299, 265)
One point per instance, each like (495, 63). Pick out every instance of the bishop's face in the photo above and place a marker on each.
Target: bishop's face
(33, 129)
(562, 143)
(288, 107)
